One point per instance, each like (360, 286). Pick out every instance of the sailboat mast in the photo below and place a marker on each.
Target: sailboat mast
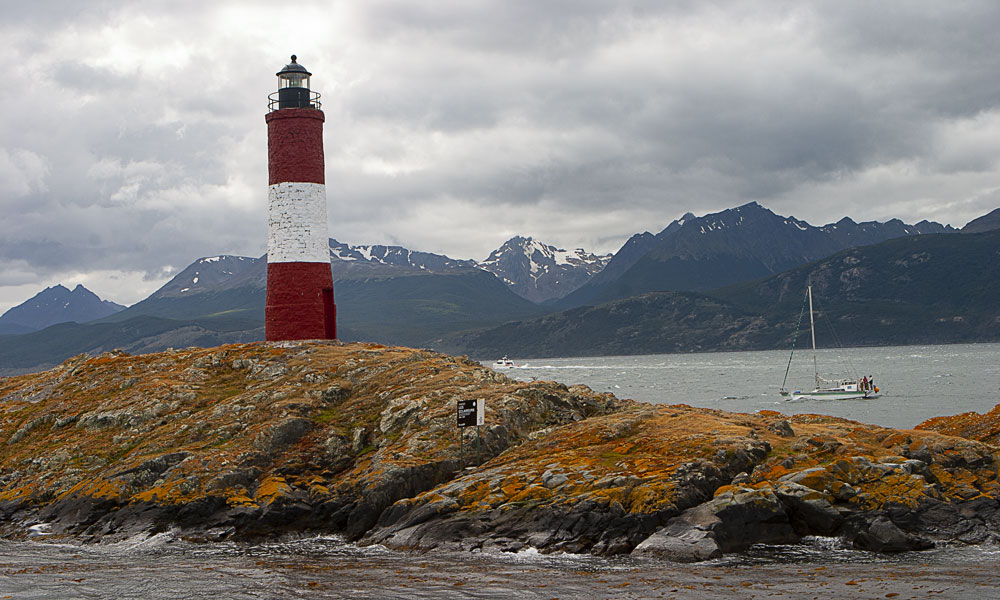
(812, 330)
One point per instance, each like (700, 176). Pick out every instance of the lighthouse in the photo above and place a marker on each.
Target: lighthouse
(299, 280)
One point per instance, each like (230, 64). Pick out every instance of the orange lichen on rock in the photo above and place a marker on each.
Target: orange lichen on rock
(651, 462)
(270, 488)
(251, 423)
(262, 438)
(970, 425)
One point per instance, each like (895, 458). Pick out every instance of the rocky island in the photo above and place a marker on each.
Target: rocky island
(270, 439)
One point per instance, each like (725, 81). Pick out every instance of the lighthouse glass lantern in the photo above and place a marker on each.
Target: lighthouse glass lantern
(293, 88)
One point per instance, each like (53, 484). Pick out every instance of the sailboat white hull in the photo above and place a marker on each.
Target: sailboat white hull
(830, 395)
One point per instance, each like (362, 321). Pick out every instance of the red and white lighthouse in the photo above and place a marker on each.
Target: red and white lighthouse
(299, 280)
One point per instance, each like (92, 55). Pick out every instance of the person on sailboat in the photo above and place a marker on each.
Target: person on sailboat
(864, 384)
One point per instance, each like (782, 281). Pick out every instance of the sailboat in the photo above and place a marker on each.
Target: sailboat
(827, 389)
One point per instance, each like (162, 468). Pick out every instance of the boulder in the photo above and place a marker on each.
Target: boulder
(883, 535)
(731, 522)
(809, 512)
(283, 434)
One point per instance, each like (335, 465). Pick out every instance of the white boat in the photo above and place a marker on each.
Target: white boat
(835, 389)
(503, 363)
(827, 389)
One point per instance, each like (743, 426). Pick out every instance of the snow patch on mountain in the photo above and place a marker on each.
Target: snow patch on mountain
(396, 256)
(211, 272)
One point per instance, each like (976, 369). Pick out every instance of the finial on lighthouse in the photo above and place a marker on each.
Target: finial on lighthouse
(293, 88)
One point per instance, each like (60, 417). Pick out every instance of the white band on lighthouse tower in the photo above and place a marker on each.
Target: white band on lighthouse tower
(296, 223)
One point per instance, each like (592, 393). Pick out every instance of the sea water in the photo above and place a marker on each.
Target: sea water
(917, 382)
(166, 568)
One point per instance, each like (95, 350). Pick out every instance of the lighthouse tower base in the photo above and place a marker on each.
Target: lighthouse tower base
(300, 302)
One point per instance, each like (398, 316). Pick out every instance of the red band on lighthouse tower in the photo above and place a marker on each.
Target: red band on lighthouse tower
(299, 280)
(295, 145)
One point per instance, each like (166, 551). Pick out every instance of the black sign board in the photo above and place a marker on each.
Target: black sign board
(467, 413)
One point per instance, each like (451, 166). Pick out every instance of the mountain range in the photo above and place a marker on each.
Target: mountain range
(746, 242)
(914, 290)
(56, 304)
(664, 292)
(386, 294)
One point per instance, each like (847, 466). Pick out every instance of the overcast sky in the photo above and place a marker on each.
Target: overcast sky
(132, 134)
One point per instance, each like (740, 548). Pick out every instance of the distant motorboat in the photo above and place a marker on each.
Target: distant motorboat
(503, 363)
(827, 389)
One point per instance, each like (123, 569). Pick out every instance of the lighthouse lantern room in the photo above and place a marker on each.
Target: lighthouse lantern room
(293, 88)
(299, 280)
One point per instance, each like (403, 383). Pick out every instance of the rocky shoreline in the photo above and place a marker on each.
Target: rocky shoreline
(252, 440)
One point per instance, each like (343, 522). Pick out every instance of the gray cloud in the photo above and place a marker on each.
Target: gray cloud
(133, 138)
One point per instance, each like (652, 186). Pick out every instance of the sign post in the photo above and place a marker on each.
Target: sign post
(471, 413)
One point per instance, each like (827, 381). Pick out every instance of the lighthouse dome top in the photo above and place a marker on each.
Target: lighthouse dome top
(293, 68)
